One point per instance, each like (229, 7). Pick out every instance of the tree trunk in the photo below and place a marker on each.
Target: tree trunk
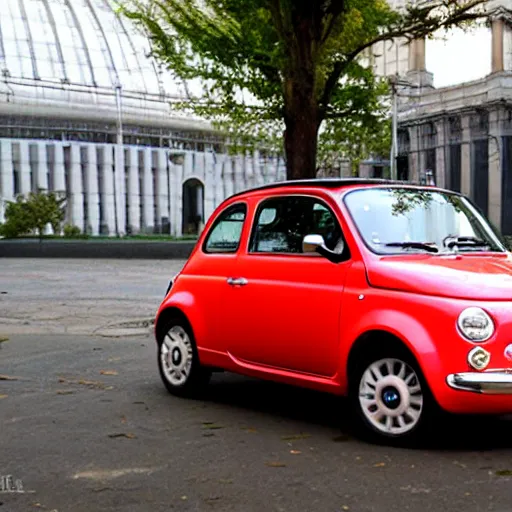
(301, 134)
(301, 141)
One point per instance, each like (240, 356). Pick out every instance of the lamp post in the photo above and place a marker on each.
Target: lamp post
(119, 160)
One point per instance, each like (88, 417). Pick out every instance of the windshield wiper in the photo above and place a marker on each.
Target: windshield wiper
(464, 241)
(414, 245)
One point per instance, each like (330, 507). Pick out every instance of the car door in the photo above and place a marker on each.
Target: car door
(285, 311)
(205, 278)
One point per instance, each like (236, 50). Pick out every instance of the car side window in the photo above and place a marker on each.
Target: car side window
(282, 223)
(226, 232)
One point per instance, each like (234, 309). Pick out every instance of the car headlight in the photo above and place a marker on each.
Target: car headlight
(475, 325)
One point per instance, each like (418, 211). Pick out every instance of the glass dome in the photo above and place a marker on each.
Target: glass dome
(77, 42)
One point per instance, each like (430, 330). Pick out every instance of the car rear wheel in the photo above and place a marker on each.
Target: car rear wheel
(390, 397)
(178, 361)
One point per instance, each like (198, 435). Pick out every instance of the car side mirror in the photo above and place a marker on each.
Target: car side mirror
(311, 243)
(316, 243)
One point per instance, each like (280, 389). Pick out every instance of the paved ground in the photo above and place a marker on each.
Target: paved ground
(62, 296)
(85, 424)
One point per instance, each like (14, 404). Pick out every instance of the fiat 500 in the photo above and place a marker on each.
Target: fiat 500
(395, 295)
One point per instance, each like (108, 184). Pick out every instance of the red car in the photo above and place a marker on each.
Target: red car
(396, 295)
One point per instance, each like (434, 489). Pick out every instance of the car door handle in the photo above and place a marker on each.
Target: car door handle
(237, 281)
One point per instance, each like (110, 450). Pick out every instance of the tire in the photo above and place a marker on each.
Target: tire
(178, 360)
(389, 398)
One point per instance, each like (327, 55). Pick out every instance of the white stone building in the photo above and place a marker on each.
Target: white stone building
(85, 111)
(463, 133)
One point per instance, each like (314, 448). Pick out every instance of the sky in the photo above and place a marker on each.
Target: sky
(464, 57)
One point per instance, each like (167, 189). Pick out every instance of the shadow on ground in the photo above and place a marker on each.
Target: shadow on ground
(453, 433)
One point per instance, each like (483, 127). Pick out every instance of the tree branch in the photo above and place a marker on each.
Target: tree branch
(416, 28)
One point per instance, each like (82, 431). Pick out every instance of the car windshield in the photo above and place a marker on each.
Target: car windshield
(400, 220)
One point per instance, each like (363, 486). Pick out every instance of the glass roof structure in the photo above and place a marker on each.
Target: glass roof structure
(67, 58)
(75, 41)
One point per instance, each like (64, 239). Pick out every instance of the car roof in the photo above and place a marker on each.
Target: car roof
(337, 183)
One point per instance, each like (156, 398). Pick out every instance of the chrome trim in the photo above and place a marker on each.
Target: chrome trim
(240, 281)
(488, 383)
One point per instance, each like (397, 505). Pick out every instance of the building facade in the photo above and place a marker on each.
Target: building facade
(462, 133)
(85, 111)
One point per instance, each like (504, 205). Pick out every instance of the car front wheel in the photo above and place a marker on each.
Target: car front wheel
(391, 399)
(178, 361)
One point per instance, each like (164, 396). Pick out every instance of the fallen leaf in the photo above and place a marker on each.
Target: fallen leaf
(3, 396)
(123, 419)
(295, 452)
(457, 463)
(184, 498)
(101, 489)
(225, 481)
(295, 437)
(275, 464)
(467, 494)
(345, 507)
(62, 379)
(65, 392)
(108, 372)
(504, 472)
(208, 434)
(128, 435)
(3, 339)
(379, 465)
(7, 377)
(211, 425)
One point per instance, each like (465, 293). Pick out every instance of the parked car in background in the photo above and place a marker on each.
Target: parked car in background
(395, 295)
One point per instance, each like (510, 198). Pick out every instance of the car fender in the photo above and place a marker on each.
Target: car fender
(405, 328)
(186, 303)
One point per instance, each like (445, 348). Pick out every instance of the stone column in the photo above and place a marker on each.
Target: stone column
(414, 155)
(465, 158)
(176, 177)
(42, 166)
(120, 186)
(209, 184)
(497, 29)
(6, 170)
(133, 190)
(107, 189)
(76, 187)
(417, 73)
(162, 187)
(495, 168)
(228, 177)
(6, 176)
(218, 182)
(59, 169)
(239, 174)
(93, 196)
(256, 162)
(441, 153)
(25, 174)
(148, 213)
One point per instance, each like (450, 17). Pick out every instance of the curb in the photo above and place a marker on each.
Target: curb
(117, 249)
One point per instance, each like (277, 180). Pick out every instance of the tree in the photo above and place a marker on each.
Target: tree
(292, 66)
(33, 213)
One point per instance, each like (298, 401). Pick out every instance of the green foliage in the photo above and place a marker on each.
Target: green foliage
(71, 231)
(266, 67)
(32, 213)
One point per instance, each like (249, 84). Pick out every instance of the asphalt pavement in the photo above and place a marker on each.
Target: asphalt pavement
(87, 426)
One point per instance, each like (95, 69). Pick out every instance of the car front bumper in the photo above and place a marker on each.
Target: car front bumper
(488, 383)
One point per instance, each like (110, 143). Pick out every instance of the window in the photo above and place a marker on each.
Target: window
(226, 232)
(283, 222)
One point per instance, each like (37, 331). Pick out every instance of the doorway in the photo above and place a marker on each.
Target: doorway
(193, 207)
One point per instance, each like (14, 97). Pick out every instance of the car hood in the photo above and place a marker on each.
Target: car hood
(461, 276)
